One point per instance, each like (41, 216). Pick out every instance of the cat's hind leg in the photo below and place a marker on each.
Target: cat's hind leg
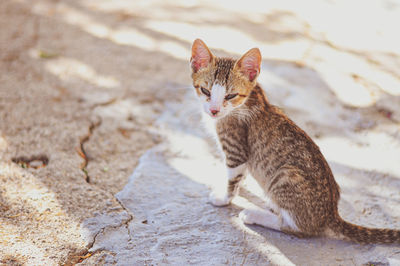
(263, 217)
(267, 218)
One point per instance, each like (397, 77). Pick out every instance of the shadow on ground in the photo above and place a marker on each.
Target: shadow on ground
(84, 82)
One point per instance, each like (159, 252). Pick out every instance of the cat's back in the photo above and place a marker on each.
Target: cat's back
(276, 142)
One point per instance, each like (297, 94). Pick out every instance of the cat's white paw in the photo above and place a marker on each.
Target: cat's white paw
(219, 199)
(247, 216)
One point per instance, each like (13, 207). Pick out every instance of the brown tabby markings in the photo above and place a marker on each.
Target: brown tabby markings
(284, 160)
(233, 185)
(221, 73)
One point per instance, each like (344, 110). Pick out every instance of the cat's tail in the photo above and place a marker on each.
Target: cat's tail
(364, 235)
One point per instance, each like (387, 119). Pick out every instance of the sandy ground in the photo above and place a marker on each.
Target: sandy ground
(102, 156)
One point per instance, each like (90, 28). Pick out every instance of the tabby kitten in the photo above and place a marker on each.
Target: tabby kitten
(256, 136)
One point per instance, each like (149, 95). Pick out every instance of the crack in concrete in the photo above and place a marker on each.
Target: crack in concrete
(81, 149)
(96, 252)
(125, 223)
(79, 258)
(87, 254)
(82, 153)
(128, 220)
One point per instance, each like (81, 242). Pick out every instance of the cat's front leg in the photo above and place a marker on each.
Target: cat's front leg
(235, 175)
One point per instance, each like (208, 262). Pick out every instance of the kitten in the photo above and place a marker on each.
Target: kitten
(256, 136)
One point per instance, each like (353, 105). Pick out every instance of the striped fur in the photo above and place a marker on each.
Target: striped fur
(282, 158)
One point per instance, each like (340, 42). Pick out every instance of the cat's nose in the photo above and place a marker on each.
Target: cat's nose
(214, 111)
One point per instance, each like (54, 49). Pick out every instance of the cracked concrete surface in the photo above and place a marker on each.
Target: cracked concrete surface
(81, 149)
(174, 224)
(47, 105)
(102, 157)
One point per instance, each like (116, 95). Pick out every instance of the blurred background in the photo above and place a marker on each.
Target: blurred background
(83, 85)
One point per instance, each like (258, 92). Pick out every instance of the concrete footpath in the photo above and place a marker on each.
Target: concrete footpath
(103, 159)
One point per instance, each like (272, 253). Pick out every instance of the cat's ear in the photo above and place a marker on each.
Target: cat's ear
(201, 55)
(249, 64)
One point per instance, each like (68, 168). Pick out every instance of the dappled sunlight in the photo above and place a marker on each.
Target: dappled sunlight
(375, 151)
(234, 41)
(15, 244)
(353, 79)
(268, 249)
(24, 192)
(140, 8)
(195, 161)
(323, 18)
(95, 84)
(72, 16)
(116, 5)
(200, 171)
(374, 27)
(354, 82)
(271, 79)
(120, 35)
(275, 255)
(31, 190)
(133, 37)
(351, 76)
(68, 69)
(346, 89)
(123, 109)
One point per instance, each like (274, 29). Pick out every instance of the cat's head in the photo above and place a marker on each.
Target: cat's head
(223, 84)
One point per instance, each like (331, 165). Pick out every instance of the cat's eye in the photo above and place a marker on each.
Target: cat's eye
(231, 96)
(205, 92)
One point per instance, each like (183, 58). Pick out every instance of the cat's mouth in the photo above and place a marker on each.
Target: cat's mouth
(214, 115)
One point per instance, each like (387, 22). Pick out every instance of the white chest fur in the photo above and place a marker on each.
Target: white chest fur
(210, 126)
